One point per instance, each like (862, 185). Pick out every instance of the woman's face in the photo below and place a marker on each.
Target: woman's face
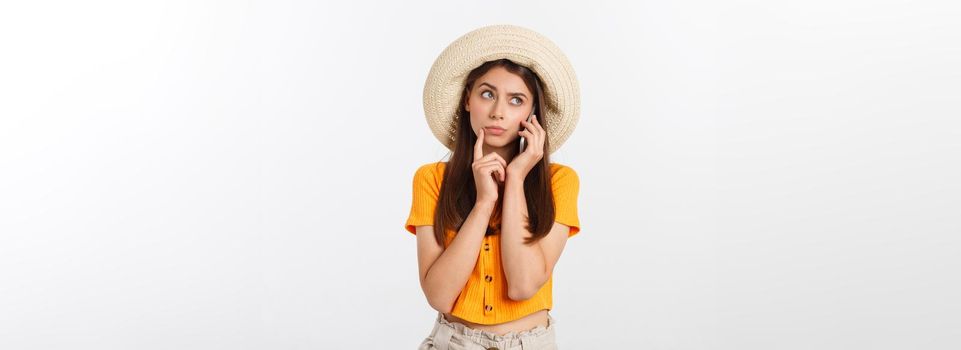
(499, 99)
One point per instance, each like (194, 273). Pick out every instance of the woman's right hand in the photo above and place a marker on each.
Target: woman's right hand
(489, 170)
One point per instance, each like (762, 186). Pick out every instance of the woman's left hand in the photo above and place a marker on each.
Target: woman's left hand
(533, 152)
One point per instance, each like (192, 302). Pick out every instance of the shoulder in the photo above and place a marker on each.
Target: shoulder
(559, 170)
(433, 170)
(564, 179)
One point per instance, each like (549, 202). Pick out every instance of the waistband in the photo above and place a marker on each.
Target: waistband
(461, 328)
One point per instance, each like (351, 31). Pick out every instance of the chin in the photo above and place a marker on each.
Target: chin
(501, 144)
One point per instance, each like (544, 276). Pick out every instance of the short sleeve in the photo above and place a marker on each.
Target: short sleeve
(565, 184)
(426, 190)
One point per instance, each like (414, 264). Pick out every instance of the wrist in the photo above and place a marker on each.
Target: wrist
(487, 205)
(515, 177)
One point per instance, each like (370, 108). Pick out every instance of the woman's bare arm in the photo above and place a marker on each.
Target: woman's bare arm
(444, 272)
(526, 266)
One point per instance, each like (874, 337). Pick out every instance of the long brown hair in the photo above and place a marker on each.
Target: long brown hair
(458, 192)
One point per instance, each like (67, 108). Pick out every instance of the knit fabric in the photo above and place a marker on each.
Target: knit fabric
(484, 300)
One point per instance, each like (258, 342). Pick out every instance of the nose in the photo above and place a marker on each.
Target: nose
(499, 110)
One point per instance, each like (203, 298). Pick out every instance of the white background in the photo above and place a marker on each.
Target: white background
(236, 175)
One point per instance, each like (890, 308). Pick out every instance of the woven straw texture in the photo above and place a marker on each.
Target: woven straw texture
(445, 82)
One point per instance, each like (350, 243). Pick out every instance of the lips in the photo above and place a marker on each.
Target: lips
(494, 130)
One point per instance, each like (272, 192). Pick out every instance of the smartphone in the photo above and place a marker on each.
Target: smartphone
(523, 139)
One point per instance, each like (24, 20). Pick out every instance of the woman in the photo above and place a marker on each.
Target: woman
(505, 210)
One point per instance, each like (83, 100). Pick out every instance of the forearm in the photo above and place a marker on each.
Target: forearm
(524, 266)
(449, 273)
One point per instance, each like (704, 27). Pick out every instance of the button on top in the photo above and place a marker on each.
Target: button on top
(488, 278)
(488, 308)
(487, 246)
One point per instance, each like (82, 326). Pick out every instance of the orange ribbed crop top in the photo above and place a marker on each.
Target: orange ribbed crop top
(483, 299)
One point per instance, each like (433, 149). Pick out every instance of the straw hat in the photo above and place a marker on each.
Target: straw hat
(445, 82)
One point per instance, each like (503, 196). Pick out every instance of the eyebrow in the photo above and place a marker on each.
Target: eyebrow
(509, 93)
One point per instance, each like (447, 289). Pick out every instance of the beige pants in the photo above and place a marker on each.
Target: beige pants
(448, 335)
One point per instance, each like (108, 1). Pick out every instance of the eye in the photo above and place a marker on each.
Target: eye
(519, 101)
(486, 94)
